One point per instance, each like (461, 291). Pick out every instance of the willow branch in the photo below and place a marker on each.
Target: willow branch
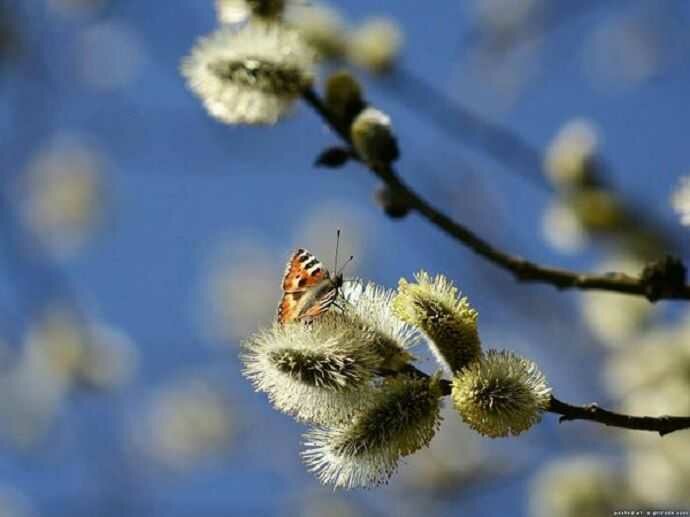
(652, 286)
(592, 412)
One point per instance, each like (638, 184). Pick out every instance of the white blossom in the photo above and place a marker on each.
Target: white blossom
(250, 75)
(434, 305)
(681, 201)
(365, 452)
(501, 394)
(318, 373)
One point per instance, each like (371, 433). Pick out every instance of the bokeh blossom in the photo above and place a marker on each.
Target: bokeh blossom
(250, 75)
(681, 201)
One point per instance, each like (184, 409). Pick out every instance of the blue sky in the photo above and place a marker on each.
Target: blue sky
(179, 183)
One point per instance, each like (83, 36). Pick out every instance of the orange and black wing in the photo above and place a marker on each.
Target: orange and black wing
(320, 305)
(302, 272)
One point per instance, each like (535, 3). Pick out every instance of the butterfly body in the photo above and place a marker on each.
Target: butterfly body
(308, 288)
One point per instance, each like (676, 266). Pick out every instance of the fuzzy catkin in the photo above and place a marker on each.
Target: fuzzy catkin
(316, 373)
(501, 394)
(403, 418)
(250, 75)
(449, 322)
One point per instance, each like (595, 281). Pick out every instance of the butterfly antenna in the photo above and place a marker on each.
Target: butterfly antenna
(337, 244)
(346, 263)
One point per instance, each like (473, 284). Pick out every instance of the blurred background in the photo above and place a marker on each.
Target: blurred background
(141, 241)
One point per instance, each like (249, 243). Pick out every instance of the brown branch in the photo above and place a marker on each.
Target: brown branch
(659, 284)
(592, 412)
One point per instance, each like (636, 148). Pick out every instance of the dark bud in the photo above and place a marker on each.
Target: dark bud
(333, 157)
(344, 96)
(663, 278)
(393, 202)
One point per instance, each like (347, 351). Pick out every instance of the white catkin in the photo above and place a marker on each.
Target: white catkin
(250, 75)
(365, 452)
(318, 373)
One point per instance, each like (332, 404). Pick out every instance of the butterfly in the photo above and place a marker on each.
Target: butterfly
(308, 288)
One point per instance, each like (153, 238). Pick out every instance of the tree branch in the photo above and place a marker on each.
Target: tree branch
(662, 425)
(592, 412)
(652, 286)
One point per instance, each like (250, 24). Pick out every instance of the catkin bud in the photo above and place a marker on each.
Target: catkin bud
(365, 453)
(370, 306)
(501, 394)
(344, 96)
(321, 27)
(570, 160)
(375, 45)
(317, 373)
(373, 138)
(448, 321)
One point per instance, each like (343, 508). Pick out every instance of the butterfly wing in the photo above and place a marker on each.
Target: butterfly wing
(321, 304)
(303, 273)
(287, 308)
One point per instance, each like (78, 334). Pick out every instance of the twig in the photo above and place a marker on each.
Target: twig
(592, 412)
(653, 287)
(662, 425)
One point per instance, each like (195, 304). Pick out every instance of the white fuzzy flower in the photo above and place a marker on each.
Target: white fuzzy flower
(185, 423)
(434, 305)
(322, 373)
(650, 376)
(318, 373)
(371, 304)
(578, 486)
(562, 229)
(89, 354)
(251, 75)
(365, 452)
(656, 477)
(501, 394)
(613, 318)
(570, 155)
(322, 27)
(64, 186)
(375, 45)
(681, 201)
